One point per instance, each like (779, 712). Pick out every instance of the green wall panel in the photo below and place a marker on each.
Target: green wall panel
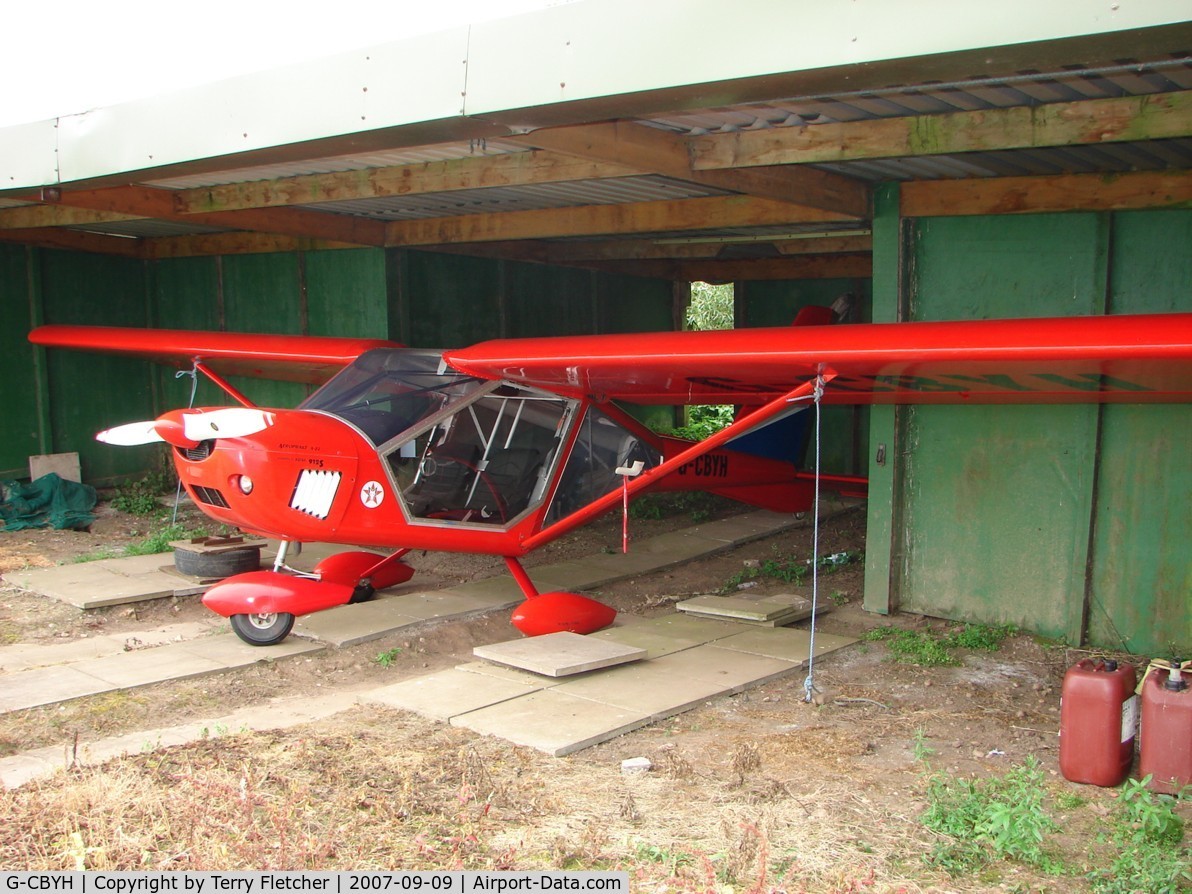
(345, 293)
(633, 304)
(996, 500)
(541, 300)
(186, 295)
(1140, 592)
(21, 366)
(448, 301)
(263, 293)
(91, 392)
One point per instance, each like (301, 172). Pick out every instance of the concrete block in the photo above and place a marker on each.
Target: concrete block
(65, 465)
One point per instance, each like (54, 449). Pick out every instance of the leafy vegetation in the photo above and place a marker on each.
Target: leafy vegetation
(927, 648)
(156, 542)
(981, 820)
(141, 497)
(1146, 835)
(789, 569)
(388, 657)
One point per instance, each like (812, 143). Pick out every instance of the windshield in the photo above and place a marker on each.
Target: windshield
(387, 390)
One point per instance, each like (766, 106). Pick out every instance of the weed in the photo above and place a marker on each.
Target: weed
(652, 853)
(913, 647)
(157, 542)
(928, 649)
(1146, 835)
(141, 497)
(387, 657)
(838, 598)
(983, 820)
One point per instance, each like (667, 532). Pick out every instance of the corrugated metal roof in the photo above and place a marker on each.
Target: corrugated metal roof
(531, 197)
(1025, 88)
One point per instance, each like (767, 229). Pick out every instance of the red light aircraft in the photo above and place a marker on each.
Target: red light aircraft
(503, 446)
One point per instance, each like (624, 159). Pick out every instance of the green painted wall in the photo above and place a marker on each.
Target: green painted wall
(1071, 521)
(90, 392)
(22, 367)
(1140, 587)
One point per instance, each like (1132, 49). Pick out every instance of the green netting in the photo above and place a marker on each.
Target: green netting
(49, 501)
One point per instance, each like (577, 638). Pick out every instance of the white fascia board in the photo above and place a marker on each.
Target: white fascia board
(596, 49)
(561, 55)
(29, 155)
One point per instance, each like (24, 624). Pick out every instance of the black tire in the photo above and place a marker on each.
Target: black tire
(263, 630)
(221, 564)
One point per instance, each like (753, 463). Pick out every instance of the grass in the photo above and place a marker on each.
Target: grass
(156, 542)
(928, 648)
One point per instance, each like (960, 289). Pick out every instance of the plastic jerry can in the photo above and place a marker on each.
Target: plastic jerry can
(1098, 720)
(1165, 738)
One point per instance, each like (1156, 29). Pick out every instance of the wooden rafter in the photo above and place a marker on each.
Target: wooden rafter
(1087, 122)
(1069, 192)
(661, 152)
(512, 169)
(601, 220)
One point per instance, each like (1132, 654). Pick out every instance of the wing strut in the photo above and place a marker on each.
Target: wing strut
(597, 507)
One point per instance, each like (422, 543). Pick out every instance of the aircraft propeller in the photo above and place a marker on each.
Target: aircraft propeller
(184, 428)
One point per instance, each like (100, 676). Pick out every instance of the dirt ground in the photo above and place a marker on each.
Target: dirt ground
(760, 792)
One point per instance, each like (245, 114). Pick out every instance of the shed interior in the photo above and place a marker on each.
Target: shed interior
(1046, 177)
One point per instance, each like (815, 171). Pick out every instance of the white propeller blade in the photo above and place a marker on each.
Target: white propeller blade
(130, 435)
(233, 422)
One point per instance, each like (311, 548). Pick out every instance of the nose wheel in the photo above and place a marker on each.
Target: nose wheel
(265, 629)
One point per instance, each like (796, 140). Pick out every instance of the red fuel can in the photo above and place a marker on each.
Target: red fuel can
(1098, 719)
(1165, 738)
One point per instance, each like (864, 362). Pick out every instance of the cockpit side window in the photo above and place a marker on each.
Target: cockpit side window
(602, 445)
(486, 463)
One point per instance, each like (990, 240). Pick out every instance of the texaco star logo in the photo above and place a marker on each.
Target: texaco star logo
(372, 494)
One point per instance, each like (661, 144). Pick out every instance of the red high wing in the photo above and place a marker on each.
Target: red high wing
(1126, 358)
(296, 358)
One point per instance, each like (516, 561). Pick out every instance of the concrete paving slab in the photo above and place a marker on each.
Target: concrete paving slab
(747, 526)
(486, 669)
(348, 625)
(22, 656)
(730, 670)
(229, 651)
(134, 669)
(646, 687)
(553, 722)
(735, 608)
(449, 693)
(441, 604)
(88, 585)
(694, 630)
(787, 643)
(559, 654)
(47, 685)
(644, 636)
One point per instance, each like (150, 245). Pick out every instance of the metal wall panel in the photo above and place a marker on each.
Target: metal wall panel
(91, 392)
(21, 366)
(541, 300)
(447, 301)
(264, 293)
(345, 293)
(996, 501)
(1140, 588)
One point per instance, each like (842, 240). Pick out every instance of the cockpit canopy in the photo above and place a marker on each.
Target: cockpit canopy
(465, 450)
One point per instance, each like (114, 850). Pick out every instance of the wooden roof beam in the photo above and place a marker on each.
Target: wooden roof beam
(662, 152)
(603, 220)
(511, 169)
(1086, 122)
(1032, 195)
